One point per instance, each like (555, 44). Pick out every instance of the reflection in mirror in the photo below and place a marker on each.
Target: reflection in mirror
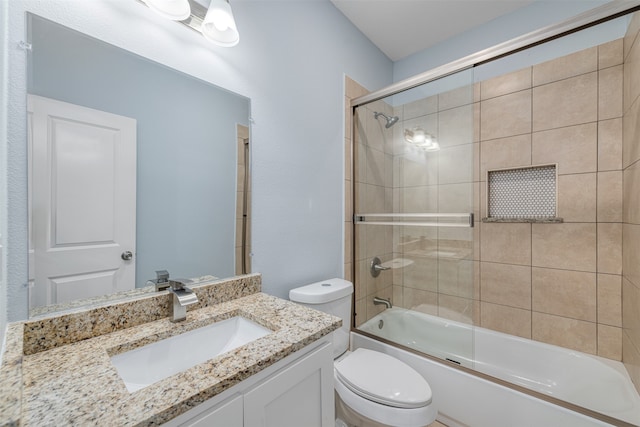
(133, 167)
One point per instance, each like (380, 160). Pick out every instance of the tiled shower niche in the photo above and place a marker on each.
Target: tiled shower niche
(528, 193)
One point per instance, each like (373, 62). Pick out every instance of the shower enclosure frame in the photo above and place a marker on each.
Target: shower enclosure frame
(593, 17)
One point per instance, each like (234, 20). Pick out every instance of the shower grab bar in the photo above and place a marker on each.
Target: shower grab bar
(362, 219)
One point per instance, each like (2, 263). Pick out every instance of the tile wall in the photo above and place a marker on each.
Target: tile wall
(439, 276)
(242, 133)
(631, 203)
(373, 189)
(556, 283)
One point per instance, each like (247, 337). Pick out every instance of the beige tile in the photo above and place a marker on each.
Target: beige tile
(564, 246)
(631, 358)
(505, 84)
(360, 163)
(610, 342)
(631, 253)
(570, 333)
(347, 159)
(564, 293)
(348, 201)
(363, 279)
(631, 80)
(566, 103)
(581, 62)
(373, 199)
(397, 296)
(476, 121)
(476, 162)
(348, 272)
(610, 196)
(506, 243)
(631, 194)
(504, 153)
(348, 118)
(506, 115)
(610, 144)
(577, 197)
(377, 240)
(375, 167)
(420, 300)
(418, 199)
(455, 98)
(630, 312)
(456, 308)
(428, 105)
(455, 278)
(610, 93)
(354, 89)
(574, 148)
(455, 126)
(455, 197)
(361, 312)
(422, 274)
(506, 284)
(348, 241)
(455, 164)
(631, 33)
(510, 320)
(610, 248)
(610, 54)
(610, 299)
(631, 135)
(419, 169)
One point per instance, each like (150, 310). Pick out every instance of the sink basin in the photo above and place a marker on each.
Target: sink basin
(146, 365)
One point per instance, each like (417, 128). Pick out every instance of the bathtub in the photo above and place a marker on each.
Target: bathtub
(588, 381)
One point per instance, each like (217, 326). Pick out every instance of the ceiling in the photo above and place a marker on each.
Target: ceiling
(403, 27)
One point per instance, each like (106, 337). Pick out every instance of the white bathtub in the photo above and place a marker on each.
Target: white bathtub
(589, 381)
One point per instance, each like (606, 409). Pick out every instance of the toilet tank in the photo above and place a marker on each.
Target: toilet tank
(331, 296)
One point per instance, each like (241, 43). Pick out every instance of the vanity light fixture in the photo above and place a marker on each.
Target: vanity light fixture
(420, 138)
(218, 26)
(176, 10)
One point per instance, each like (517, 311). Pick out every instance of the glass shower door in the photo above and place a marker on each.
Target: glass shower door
(415, 180)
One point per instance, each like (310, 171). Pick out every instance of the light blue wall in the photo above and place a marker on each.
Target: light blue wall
(533, 17)
(291, 61)
(4, 30)
(186, 146)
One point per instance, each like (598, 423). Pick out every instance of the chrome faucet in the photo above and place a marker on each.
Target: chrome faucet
(382, 301)
(182, 295)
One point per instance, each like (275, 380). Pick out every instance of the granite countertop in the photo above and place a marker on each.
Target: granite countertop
(75, 382)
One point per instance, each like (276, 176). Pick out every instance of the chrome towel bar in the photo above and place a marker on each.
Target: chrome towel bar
(413, 219)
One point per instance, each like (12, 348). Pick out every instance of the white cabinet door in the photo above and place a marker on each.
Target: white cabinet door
(82, 202)
(227, 414)
(299, 395)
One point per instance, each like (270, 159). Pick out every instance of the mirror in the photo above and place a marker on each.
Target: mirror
(134, 167)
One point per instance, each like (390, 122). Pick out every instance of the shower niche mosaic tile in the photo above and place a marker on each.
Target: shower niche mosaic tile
(527, 194)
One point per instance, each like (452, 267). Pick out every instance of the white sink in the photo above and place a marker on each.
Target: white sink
(146, 365)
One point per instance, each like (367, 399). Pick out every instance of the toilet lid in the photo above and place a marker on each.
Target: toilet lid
(383, 379)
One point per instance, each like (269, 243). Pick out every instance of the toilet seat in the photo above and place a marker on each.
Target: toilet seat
(383, 379)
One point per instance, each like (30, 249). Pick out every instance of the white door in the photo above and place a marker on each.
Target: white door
(83, 201)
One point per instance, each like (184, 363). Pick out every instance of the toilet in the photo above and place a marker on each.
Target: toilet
(372, 389)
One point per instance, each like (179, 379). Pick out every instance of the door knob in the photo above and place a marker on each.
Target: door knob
(127, 255)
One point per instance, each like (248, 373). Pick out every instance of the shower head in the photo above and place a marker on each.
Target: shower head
(390, 120)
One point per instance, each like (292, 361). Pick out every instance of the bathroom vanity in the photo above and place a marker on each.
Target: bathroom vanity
(58, 370)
